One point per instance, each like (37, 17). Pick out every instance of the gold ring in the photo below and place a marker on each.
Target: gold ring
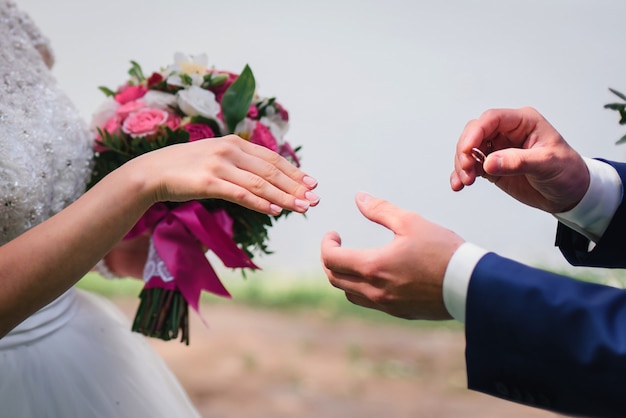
(478, 155)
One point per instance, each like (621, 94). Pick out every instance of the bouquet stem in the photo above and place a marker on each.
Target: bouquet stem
(162, 314)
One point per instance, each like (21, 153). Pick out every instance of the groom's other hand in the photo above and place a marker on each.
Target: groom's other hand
(403, 278)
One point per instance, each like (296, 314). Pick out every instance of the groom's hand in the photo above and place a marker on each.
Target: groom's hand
(526, 157)
(403, 278)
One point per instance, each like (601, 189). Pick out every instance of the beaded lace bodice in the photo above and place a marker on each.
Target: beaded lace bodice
(45, 149)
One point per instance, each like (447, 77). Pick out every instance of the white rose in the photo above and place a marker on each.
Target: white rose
(159, 99)
(198, 101)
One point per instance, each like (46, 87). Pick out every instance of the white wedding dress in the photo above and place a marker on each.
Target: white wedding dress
(76, 357)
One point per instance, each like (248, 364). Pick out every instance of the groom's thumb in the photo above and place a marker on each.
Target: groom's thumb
(377, 210)
(512, 162)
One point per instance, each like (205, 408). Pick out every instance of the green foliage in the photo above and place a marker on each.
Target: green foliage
(136, 72)
(621, 108)
(122, 148)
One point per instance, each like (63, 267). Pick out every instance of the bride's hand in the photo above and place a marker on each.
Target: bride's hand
(228, 168)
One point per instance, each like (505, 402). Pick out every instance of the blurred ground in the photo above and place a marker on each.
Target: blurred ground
(259, 363)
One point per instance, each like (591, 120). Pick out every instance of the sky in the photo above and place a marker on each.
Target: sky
(378, 93)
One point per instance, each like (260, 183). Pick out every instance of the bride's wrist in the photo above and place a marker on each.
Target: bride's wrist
(140, 180)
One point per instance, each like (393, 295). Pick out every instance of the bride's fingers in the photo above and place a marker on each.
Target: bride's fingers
(287, 198)
(277, 161)
(243, 186)
(271, 201)
(256, 173)
(258, 167)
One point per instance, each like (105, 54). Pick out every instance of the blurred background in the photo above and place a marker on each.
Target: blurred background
(378, 93)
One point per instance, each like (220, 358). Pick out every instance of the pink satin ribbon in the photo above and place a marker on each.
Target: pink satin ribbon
(178, 234)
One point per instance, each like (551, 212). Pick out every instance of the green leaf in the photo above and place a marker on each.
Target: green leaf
(621, 140)
(618, 94)
(215, 80)
(237, 99)
(107, 91)
(186, 79)
(136, 71)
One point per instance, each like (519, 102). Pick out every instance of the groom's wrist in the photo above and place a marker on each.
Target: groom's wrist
(457, 277)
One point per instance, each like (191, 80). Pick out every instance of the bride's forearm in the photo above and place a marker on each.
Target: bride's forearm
(42, 263)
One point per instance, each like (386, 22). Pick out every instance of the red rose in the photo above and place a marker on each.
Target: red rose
(253, 112)
(155, 78)
(262, 136)
(289, 153)
(284, 115)
(199, 131)
(221, 89)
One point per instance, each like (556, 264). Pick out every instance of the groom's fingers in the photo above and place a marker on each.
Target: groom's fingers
(361, 301)
(339, 260)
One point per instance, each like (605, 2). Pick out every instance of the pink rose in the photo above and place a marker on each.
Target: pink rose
(113, 126)
(173, 121)
(130, 93)
(144, 122)
(199, 131)
(128, 108)
(262, 136)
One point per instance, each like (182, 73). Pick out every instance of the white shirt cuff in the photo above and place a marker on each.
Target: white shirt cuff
(457, 277)
(594, 212)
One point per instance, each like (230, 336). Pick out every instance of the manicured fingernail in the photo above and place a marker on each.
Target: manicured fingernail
(312, 197)
(309, 181)
(302, 204)
(275, 209)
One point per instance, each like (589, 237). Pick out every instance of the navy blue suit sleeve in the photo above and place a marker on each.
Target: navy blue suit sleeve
(610, 251)
(546, 340)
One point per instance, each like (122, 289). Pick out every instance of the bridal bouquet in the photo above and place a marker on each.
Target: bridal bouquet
(183, 102)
